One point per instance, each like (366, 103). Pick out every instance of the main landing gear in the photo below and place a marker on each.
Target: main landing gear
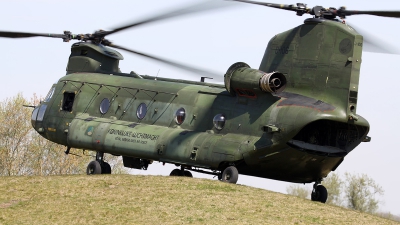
(98, 166)
(181, 172)
(319, 192)
(229, 175)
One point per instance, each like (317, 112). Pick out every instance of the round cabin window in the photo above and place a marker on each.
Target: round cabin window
(180, 116)
(219, 121)
(141, 111)
(104, 106)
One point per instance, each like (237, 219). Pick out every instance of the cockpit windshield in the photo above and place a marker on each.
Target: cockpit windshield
(42, 110)
(34, 116)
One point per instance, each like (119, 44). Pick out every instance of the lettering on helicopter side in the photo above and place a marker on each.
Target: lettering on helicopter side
(283, 50)
(133, 137)
(359, 44)
(125, 139)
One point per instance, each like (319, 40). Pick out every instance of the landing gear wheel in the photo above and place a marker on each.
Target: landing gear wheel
(105, 168)
(94, 167)
(320, 194)
(230, 175)
(176, 172)
(187, 173)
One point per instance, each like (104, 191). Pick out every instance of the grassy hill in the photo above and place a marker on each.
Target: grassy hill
(128, 199)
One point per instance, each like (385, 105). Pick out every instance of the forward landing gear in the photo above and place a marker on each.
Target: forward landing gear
(319, 193)
(98, 166)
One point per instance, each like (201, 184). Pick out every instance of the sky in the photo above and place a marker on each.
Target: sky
(212, 40)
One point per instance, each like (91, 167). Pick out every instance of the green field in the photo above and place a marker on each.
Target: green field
(130, 199)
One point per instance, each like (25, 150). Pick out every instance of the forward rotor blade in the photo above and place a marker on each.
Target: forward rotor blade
(394, 14)
(197, 8)
(272, 5)
(11, 34)
(217, 77)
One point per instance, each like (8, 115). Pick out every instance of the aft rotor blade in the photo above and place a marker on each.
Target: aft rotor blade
(394, 14)
(375, 44)
(11, 34)
(215, 76)
(197, 8)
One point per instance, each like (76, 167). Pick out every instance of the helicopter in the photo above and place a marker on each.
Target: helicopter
(284, 121)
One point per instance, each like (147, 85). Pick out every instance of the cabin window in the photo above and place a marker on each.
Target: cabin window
(180, 116)
(104, 106)
(68, 101)
(50, 94)
(219, 121)
(141, 111)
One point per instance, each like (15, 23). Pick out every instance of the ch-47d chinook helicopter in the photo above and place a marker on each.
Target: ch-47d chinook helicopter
(294, 119)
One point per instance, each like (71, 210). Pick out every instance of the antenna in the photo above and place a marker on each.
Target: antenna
(203, 78)
(30, 106)
(157, 74)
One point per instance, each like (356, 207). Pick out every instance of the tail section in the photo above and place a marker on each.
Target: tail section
(321, 59)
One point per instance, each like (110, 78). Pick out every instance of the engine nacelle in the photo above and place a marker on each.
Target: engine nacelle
(242, 80)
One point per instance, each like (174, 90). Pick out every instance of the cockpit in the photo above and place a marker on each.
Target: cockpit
(39, 111)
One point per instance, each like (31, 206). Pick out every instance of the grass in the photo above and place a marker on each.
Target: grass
(130, 199)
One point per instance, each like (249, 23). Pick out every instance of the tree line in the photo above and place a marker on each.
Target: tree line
(355, 191)
(24, 152)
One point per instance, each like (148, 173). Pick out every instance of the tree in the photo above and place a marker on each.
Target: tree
(358, 192)
(14, 128)
(297, 190)
(361, 191)
(333, 184)
(24, 152)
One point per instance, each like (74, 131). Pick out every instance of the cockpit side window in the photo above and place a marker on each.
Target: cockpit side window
(68, 101)
(50, 94)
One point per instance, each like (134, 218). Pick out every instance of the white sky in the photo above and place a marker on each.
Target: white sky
(213, 41)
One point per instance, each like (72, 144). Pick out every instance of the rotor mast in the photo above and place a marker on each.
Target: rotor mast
(324, 12)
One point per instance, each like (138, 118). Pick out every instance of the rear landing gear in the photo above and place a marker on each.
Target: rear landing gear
(319, 193)
(98, 166)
